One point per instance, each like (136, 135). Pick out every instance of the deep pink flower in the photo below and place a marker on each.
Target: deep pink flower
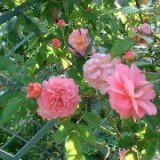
(129, 92)
(56, 43)
(97, 70)
(145, 29)
(59, 98)
(129, 55)
(60, 23)
(79, 40)
(34, 90)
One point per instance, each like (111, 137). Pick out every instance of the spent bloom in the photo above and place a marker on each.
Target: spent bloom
(130, 94)
(145, 29)
(60, 23)
(140, 41)
(58, 99)
(34, 90)
(79, 41)
(56, 43)
(129, 55)
(97, 70)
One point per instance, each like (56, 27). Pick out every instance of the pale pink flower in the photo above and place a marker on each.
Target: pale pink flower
(122, 153)
(79, 40)
(129, 55)
(59, 98)
(56, 43)
(34, 90)
(60, 23)
(97, 70)
(145, 29)
(129, 93)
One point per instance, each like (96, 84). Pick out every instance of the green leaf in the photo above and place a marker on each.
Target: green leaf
(5, 62)
(86, 135)
(126, 142)
(121, 46)
(10, 14)
(92, 119)
(149, 150)
(12, 106)
(74, 148)
(131, 156)
(129, 10)
(63, 131)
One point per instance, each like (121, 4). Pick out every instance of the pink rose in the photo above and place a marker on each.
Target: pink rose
(129, 55)
(97, 70)
(34, 90)
(56, 43)
(145, 29)
(79, 40)
(59, 98)
(60, 23)
(130, 94)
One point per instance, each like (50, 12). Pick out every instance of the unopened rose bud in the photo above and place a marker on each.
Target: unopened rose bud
(56, 43)
(60, 23)
(129, 55)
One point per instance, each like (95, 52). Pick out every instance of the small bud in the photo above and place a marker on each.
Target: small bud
(60, 23)
(129, 55)
(56, 43)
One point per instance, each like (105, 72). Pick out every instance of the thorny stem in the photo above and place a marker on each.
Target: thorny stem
(111, 121)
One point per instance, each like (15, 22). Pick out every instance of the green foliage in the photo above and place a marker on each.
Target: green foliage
(127, 142)
(121, 46)
(27, 28)
(10, 109)
(92, 119)
(63, 132)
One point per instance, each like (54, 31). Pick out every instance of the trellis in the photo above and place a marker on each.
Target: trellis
(28, 144)
(6, 20)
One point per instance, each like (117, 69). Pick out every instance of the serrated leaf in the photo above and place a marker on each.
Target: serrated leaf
(149, 150)
(5, 62)
(10, 109)
(92, 119)
(131, 156)
(74, 148)
(126, 142)
(86, 135)
(121, 46)
(63, 131)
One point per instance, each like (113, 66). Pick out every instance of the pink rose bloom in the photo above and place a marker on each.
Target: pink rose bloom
(34, 90)
(60, 23)
(145, 29)
(97, 70)
(56, 43)
(122, 153)
(79, 40)
(129, 55)
(59, 98)
(129, 93)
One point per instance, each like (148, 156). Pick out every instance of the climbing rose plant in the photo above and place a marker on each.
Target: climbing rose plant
(94, 67)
